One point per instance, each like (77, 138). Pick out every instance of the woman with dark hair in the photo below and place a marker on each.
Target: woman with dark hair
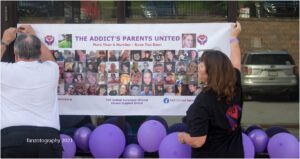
(169, 56)
(147, 56)
(124, 90)
(214, 119)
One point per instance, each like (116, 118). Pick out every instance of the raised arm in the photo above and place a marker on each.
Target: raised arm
(235, 55)
(9, 36)
(46, 55)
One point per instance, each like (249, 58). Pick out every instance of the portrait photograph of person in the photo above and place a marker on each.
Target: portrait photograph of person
(146, 55)
(181, 79)
(79, 78)
(146, 90)
(113, 55)
(69, 89)
(158, 67)
(124, 78)
(113, 89)
(159, 90)
(158, 78)
(58, 55)
(182, 55)
(102, 67)
(192, 69)
(69, 55)
(92, 66)
(102, 90)
(136, 78)
(158, 55)
(136, 55)
(101, 78)
(124, 67)
(169, 67)
(79, 89)
(91, 90)
(147, 78)
(112, 67)
(178, 89)
(79, 67)
(181, 67)
(134, 67)
(80, 55)
(169, 90)
(192, 79)
(69, 77)
(192, 91)
(124, 56)
(169, 55)
(170, 78)
(147, 66)
(69, 66)
(188, 40)
(65, 41)
(135, 90)
(193, 55)
(123, 90)
(181, 89)
(113, 78)
(91, 78)
(91, 55)
(101, 55)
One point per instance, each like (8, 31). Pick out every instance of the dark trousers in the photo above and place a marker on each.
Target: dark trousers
(30, 142)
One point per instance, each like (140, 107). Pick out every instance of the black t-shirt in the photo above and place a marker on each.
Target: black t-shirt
(221, 122)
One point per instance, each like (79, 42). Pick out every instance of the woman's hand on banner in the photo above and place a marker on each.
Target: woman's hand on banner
(236, 30)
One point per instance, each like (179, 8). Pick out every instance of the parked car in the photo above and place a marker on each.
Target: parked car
(153, 9)
(269, 72)
(280, 8)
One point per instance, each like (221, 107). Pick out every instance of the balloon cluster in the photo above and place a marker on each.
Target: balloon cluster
(109, 141)
(154, 136)
(276, 141)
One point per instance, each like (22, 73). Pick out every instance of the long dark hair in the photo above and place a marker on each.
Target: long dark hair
(221, 74)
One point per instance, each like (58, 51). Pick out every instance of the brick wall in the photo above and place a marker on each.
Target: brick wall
(270, 34)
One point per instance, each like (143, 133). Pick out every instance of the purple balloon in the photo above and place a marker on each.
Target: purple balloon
(160, 119)
(171, 148)
(249, 150)
(133, 151)
(260, 140)
(68, 145)
(107, 141)
(252, 127)
(150, 134)
(81, 137)
(283, 145)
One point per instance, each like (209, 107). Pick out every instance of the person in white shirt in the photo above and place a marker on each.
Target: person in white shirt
(29, 107)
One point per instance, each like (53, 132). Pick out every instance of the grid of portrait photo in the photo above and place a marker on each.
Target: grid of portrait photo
(128, 72)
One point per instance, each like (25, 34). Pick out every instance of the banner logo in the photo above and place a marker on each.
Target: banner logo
(49, 39)
(166, 100)
(202, 39)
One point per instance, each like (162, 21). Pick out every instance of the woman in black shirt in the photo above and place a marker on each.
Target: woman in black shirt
(214, 117)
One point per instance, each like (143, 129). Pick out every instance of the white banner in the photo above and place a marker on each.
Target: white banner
(130, 69)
